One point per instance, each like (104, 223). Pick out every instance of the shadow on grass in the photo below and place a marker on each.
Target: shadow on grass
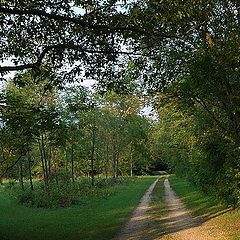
(174, 217)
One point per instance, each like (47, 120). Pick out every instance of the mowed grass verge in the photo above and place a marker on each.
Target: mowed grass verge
(208, 209)
(99, 218)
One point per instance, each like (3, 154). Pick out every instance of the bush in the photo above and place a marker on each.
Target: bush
(62, 192)
(59, 192)
(10, 184)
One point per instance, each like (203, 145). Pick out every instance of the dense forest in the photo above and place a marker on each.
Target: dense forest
(180, 58)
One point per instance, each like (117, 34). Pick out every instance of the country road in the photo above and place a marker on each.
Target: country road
(178, 224)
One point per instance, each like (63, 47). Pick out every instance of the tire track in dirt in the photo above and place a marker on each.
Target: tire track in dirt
(180, 223)
(177, 224)
(134, 228)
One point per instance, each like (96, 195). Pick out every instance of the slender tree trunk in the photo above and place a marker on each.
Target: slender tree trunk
(20, 174)
(107, 160)
(72, 163)
(98, 166)
(113, 158)
(117, 164)
(43, 164)
(66, 159)
(30, 171)
(131, 161)
(92, 154)
(45, 159)
(131, 171)
(50, 156)
(114, 164)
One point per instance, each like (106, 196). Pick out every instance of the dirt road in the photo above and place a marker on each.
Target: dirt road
(179, 223)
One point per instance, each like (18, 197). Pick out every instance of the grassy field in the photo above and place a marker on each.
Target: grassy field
(99, 218)
(208, 208)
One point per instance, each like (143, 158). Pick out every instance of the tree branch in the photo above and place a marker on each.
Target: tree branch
(40, 13)
(61, 46)
(10, 167)
(205, 107)
(74, 20)
(16, 68)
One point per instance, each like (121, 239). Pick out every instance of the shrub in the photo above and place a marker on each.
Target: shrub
(10, 184)
(62, 192)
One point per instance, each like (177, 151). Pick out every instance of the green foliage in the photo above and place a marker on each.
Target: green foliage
(10, 183)
(196, 149)
(74, 130)
(115, 181)
(160, 36)
(61, 192)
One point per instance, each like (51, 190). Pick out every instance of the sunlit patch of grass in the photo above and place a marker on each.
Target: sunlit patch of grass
(99, 218)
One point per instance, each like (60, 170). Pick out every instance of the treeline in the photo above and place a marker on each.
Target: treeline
(46, 132)
(199, 128)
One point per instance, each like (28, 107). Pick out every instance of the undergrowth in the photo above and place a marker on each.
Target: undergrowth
(62, 192)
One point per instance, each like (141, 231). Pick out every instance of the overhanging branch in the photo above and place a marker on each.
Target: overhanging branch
(77, 21)
(62, 47)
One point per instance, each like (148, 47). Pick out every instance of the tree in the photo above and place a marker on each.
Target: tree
(28, 116)
(71, 32)
(195, 147)
(90, 36)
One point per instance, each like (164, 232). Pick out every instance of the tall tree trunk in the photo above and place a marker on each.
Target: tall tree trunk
(66, 159)
(72, 163)
(98, 166)
(45, 159)
(43, 164)
(30, 171)
(50, 156)
(115, 159)
(107, 160)
(117, 164)
(20, 174)
(92, 153)
(114, 164)
(131, 161)
(131, 170)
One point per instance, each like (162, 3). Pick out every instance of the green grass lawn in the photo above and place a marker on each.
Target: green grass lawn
(207, 207)
(99, 218)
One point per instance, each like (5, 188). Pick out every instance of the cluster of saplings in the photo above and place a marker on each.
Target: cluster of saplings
(61, 191)
(51, 138)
